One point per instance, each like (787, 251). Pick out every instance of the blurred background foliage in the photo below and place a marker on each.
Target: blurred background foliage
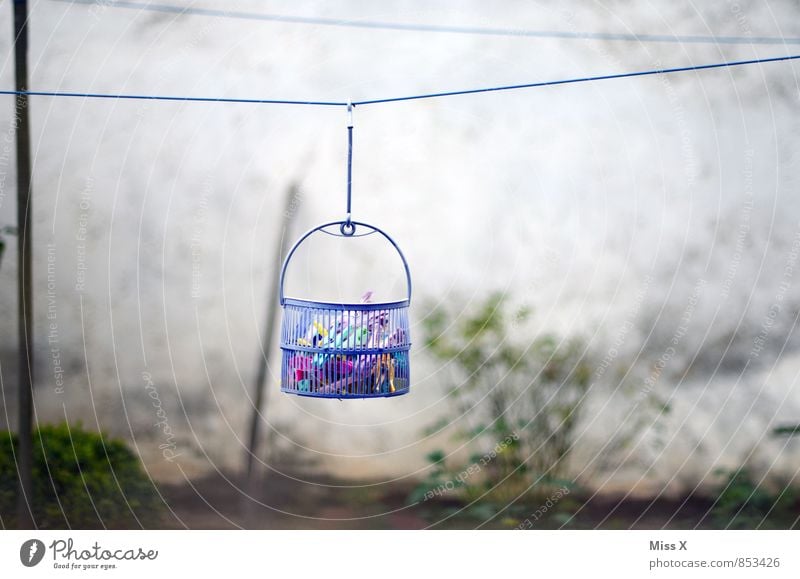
(82, 480)
(522, 401)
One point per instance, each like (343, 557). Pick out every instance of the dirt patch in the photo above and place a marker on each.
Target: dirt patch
(304, 501)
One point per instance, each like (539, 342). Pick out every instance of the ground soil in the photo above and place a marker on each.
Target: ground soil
(229, 501)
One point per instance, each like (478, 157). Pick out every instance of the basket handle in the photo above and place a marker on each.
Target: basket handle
(347, 229)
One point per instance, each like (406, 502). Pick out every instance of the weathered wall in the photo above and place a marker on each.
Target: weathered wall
(157, 220)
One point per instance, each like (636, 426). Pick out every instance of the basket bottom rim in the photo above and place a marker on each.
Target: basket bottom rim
(346, 396)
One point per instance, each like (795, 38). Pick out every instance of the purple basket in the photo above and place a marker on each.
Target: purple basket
(345, 350)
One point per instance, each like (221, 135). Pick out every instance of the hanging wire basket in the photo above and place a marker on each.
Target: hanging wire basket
(333, 350)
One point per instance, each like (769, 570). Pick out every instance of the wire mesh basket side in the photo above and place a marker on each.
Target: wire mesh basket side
(345, 351)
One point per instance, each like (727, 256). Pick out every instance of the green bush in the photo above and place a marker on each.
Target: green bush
(744, 503)
(81, 479)
(521, 397)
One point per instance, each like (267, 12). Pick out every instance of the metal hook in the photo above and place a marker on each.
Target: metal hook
(347, 222)
(350, 108)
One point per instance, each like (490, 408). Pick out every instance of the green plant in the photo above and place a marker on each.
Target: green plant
(786, 430)
(81, 479)
(742, 503)
(523, 398)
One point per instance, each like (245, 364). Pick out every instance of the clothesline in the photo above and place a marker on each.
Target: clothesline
(355, 103)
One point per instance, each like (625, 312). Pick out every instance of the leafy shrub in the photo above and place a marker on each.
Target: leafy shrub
(787, 430)
(81, 479)
(522, 398)
(742, 503)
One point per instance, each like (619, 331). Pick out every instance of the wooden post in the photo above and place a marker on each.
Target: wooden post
(290, 209)
(25, 402)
